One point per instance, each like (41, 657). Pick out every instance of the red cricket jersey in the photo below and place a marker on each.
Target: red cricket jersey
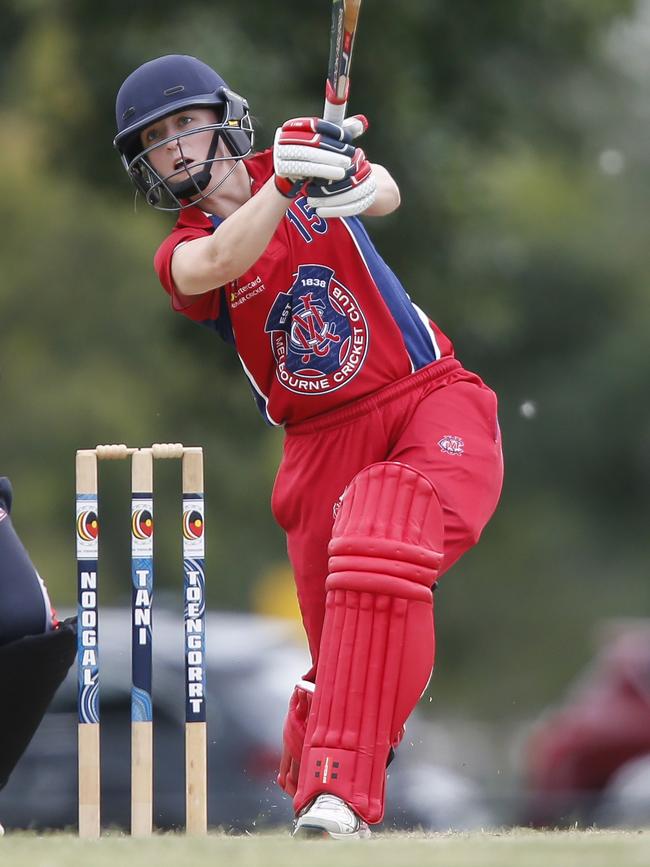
(319, 320)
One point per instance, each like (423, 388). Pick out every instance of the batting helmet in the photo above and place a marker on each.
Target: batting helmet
(161, 88)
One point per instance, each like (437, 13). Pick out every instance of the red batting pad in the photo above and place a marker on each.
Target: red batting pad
(377, 646)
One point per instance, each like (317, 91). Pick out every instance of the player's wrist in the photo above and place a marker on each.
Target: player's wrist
(290, 188)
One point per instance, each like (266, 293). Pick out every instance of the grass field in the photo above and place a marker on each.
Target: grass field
(513, 848)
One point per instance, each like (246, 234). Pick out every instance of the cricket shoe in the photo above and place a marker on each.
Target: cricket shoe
(329, 816)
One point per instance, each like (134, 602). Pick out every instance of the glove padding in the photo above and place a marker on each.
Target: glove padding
(347, 197)
(309, 147)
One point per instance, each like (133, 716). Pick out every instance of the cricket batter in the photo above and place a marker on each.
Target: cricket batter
(392, 460)
(36, 650)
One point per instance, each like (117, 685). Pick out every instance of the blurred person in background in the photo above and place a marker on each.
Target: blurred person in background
(392, 461)
(36, 650)
(577, 750)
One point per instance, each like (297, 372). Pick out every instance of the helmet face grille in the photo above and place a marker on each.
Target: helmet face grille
(161, 88)
(191, 181)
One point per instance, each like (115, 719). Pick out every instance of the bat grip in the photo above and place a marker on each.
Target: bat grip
(334, 110)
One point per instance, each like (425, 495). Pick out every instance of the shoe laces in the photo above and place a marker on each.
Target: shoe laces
(334, 801)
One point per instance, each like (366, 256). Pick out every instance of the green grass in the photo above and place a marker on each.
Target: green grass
(513, 848)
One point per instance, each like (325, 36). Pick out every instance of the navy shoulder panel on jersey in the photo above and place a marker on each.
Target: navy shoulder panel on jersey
(418, 337)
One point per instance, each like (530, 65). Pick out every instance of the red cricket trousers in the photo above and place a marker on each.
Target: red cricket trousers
(441, 421)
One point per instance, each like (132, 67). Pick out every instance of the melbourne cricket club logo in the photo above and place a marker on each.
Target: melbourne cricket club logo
(319, 334)
(452, 445)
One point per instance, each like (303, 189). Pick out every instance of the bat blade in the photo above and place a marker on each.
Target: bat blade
(345, 15)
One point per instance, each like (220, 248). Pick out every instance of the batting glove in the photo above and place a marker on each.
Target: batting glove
(308, 147)
(347, 197)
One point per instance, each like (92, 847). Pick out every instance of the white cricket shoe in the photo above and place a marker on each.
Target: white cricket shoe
(2, 830)
(329, 816)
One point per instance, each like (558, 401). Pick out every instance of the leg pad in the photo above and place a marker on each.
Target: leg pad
(377, 648)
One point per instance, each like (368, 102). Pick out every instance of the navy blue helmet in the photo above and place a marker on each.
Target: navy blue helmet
(161, 88)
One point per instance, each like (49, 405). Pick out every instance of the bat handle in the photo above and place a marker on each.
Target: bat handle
(335, 107)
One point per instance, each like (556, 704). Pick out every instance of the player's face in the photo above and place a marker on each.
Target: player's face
(174, 159)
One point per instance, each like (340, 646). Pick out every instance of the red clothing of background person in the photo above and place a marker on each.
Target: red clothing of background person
(392, 459)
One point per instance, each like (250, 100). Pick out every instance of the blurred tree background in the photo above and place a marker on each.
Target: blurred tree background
(518, 133)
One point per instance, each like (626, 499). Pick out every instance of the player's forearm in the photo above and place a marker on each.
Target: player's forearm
(388, 197)
(237, 243)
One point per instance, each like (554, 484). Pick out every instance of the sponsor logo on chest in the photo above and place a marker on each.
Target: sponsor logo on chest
(239, 295)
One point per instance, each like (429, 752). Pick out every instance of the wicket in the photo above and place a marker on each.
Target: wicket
(87, 550)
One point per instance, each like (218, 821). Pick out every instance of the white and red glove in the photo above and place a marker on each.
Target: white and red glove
(309, 147)
(347, 197)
